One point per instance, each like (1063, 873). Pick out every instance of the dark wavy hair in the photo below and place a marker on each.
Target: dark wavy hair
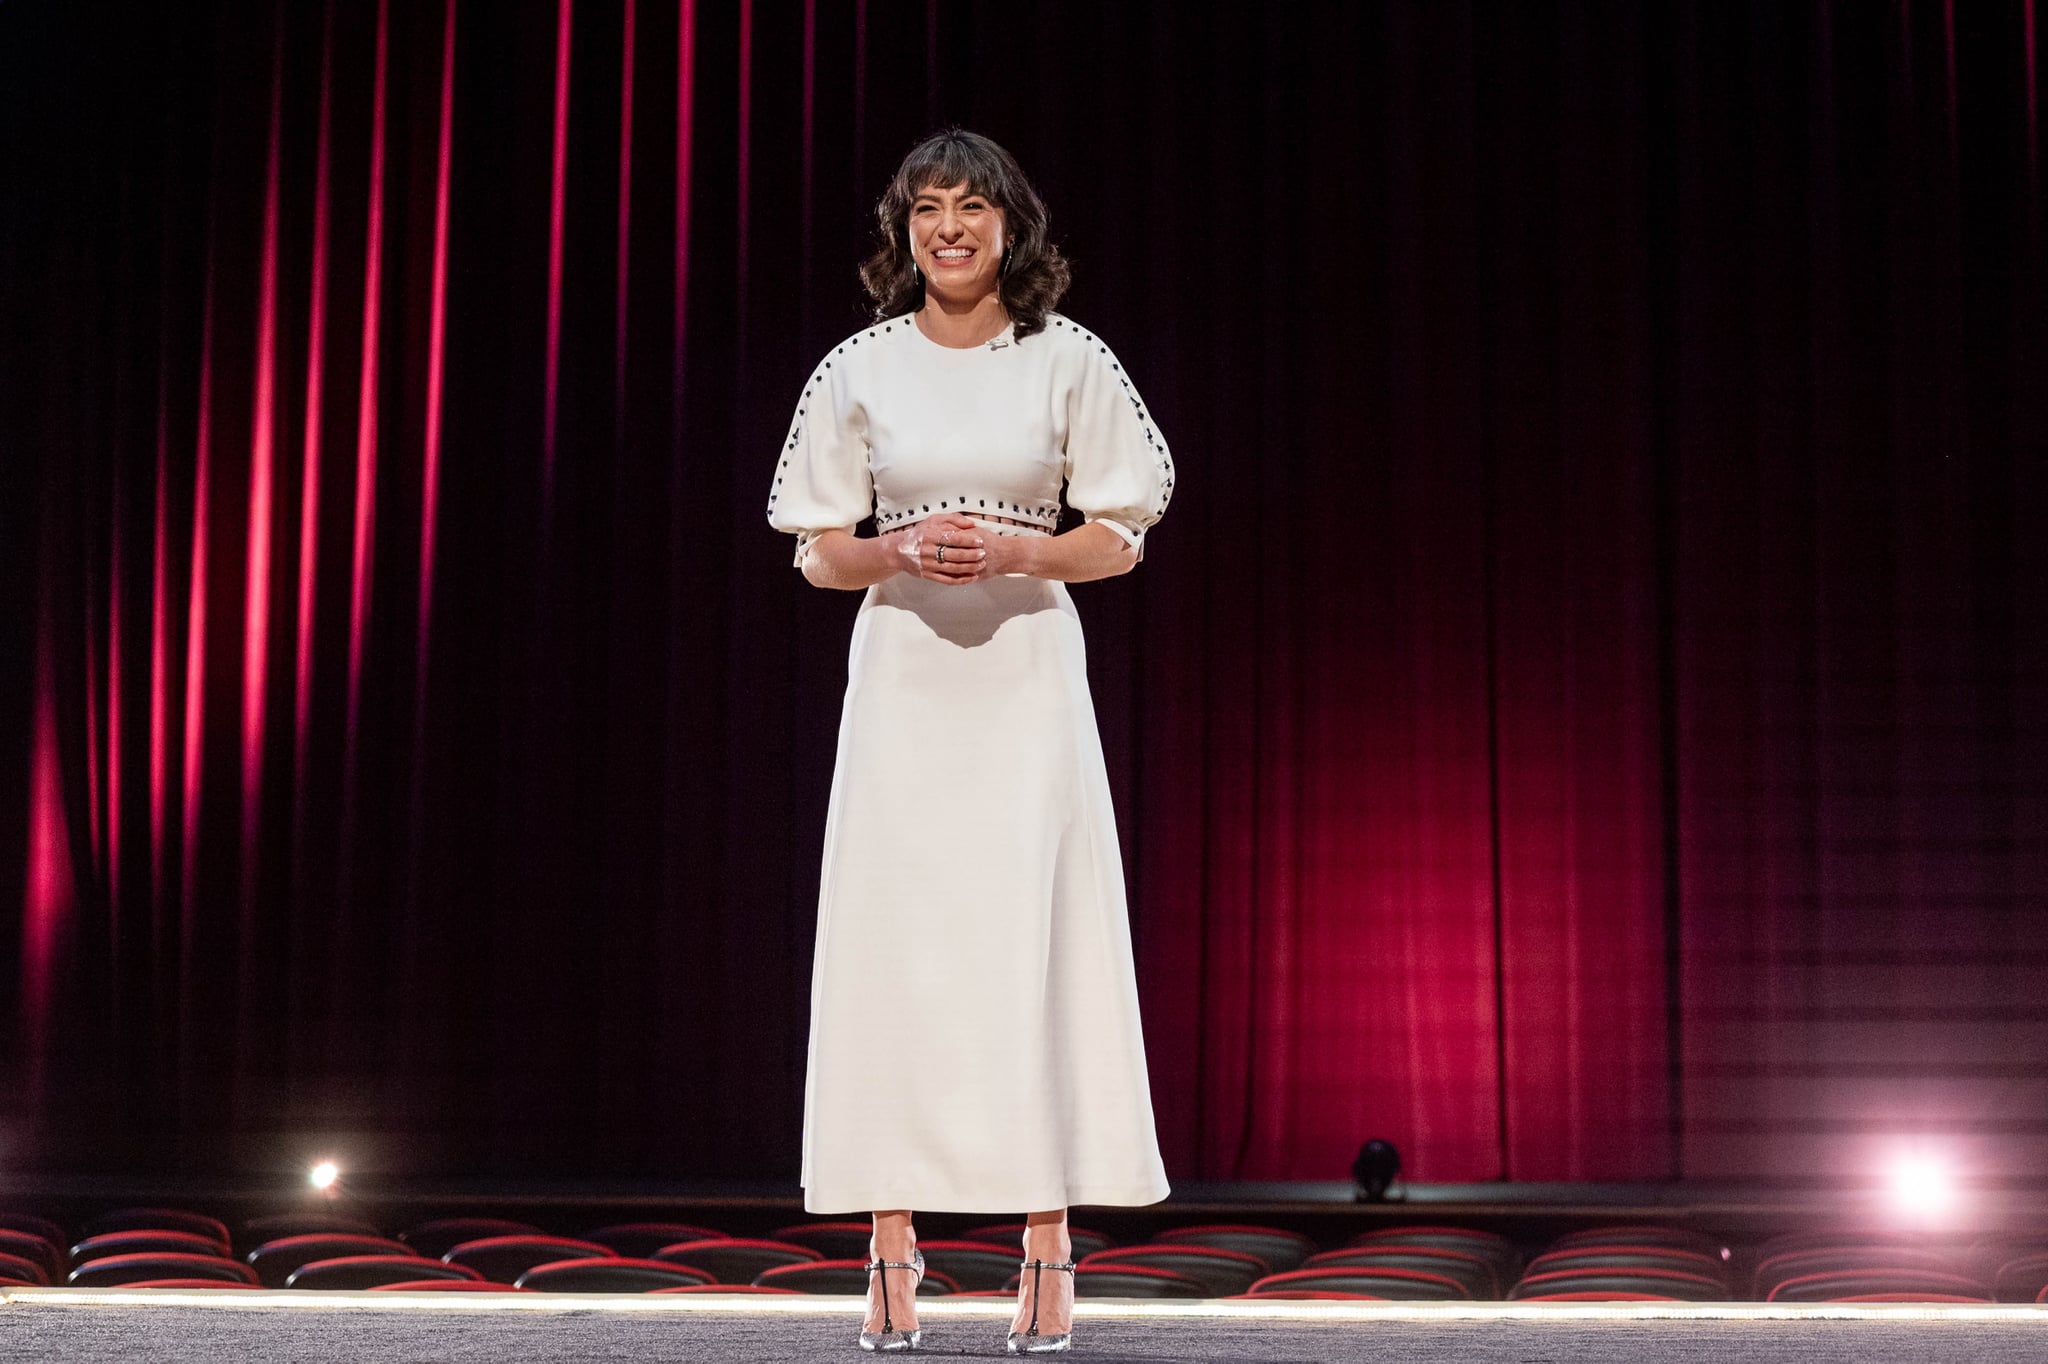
(1036, 275)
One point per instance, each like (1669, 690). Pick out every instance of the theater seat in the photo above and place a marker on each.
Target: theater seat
(42, 1228)
(1128, 1281)
(194, 1285)
(502, 1259)
(731, 1288)
(1986, 1255)
(161, 1219)
(436, 1238)
(1219, 1272)
(17, 1269)
(1674, 1238)
(841, 1240)
(274, 1261)
(737, 1260)
(1794, 1264)
(1914, 1284)
(444, 1286)
(639, 1240)
(1496, 1250)
(372, 1271)
(112, 1271)
(2022, 1280)
(1598, 1297)
(613, 1274)
(276, 1226)
(1787, 1243)
(1480, 1277)
(29, 1246)
(1396, 1285)
(1277, 1249)
(139, 1242)
(1617, 1283)
(1629, 1258)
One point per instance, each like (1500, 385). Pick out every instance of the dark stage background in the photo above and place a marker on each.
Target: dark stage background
(1585, 716)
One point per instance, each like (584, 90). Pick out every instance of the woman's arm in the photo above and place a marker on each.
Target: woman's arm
(1083, 554)
(835, 558)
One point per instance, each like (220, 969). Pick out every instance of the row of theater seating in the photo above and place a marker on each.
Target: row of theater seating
(164, 1247)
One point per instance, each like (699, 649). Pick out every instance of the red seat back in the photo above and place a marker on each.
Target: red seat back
(1220, 1272)
(611, 1274)
(502, 1259)
(1400, 1285)
(112, 1271)
(1275, 1247)
(348, 1272)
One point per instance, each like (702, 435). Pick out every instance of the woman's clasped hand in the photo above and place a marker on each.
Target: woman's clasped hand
(947, 547)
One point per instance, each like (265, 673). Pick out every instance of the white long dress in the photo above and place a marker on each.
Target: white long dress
(975, 1042)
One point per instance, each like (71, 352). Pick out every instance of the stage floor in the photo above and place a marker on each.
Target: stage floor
(312, 1328)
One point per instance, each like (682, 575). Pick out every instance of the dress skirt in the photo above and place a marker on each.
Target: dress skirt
(975, 1042)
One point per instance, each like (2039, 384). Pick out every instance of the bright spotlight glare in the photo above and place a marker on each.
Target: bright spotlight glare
(324, 1174)
(1922, 1188)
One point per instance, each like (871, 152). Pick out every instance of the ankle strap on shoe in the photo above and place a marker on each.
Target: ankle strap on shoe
(916, 1267)
(1035, 1266)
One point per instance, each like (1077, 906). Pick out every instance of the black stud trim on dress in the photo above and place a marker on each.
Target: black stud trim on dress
(1048, 512)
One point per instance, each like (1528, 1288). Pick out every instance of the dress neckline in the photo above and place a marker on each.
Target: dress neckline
(1005, 337)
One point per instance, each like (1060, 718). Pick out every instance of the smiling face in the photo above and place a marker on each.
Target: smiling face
(957, 239)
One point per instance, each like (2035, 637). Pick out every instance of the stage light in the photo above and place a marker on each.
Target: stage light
(1923, 1189)
(1377, 1167)
(324, 1174)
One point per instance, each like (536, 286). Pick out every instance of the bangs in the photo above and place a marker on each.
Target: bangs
(947, 161)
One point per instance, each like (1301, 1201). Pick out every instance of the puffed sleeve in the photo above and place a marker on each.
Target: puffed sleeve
(1117, 466)
(821, 476)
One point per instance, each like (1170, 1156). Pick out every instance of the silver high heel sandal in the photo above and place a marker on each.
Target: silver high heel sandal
(1030, 1342)
(889, 1338)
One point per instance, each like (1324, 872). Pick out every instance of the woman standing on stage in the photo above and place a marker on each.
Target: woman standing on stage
(971, 913)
